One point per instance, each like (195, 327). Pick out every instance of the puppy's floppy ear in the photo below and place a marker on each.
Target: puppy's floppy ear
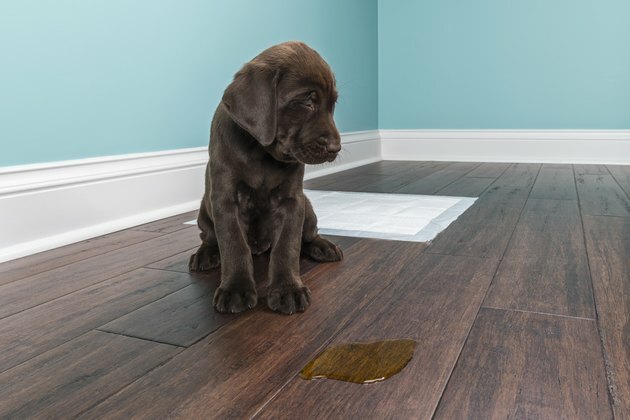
(251, 101)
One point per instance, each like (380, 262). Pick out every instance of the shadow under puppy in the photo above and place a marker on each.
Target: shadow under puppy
(276, 116)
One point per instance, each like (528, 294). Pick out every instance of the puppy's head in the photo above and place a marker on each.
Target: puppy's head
(285, 98)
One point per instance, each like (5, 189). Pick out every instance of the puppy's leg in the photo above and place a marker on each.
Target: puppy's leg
(313, 245)
(237, 291)
(286, 293)
(207, 256)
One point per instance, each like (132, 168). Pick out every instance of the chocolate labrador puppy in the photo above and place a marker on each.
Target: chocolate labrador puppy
(275, 117)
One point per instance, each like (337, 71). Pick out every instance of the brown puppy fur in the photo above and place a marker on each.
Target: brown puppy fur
(276, 116)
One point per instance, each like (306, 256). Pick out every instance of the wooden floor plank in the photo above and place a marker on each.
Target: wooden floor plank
(43, 287)
(513, 187)
(600, 195)
(608, 243)
(621, 173)
(233, 371)
(395, 167)
(387, 183)
(466, 187)
(181, 318)
(545, 267)
(590, 170)
(169, 224)
(550, 286)
(438, 294)
(485, 228)
(58, 257)
(557, 166)
(341, 183)
(391, 183)
(523, 365)
(489, 170)
(555, 183)
(381, 289)
(551, 228)
(36, 330)
(376, 180)
(345, 183)
(482, 231)
(385, 168)
(438, 179)
(186, 316)
(71, 378)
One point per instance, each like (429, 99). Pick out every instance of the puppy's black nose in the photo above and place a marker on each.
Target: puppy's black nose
(333, 147)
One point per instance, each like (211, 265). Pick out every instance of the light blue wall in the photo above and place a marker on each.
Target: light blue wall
(102, 77)
(504, 64)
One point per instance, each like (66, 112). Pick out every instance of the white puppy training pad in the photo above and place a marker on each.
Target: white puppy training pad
(400, 217)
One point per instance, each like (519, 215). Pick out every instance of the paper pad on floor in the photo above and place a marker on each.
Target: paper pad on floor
(401, 217)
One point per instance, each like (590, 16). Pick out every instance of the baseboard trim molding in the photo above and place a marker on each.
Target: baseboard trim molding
(45, 206)
(535, 146)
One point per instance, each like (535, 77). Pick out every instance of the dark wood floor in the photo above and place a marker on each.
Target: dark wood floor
(521, 309)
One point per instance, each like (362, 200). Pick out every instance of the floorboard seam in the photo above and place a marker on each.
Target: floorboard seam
(495, 180)
(94, 329)
(82, 288)
(102, 400)
(78, 261)
(2, 372)
(398, 188)
(618, 183)
(553, 199)
(607, 215)
(494, 177)
(454, 181)
(159, 232)
(173, 271)
(100, 329)
(539, 313)
(607, 371)
(488, 257)
(481, 305)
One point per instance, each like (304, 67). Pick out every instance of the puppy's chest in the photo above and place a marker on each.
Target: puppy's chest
(260, 201)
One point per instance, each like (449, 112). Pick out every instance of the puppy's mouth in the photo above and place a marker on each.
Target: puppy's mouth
(314, 157)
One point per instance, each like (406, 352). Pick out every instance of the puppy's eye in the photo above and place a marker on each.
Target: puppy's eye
(309, 104)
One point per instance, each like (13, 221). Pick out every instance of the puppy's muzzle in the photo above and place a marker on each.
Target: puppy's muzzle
(332, 146)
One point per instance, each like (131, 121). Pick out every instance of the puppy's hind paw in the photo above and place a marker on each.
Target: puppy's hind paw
(289, 301)
(322, 250)
(206, 258)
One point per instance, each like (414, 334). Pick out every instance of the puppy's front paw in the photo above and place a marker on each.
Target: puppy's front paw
(229, 300)
(206, 258)
(289, 300)
(322, 250)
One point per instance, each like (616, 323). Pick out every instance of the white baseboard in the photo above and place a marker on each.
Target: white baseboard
(50, 205)
(536, 146)
(45, 206)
